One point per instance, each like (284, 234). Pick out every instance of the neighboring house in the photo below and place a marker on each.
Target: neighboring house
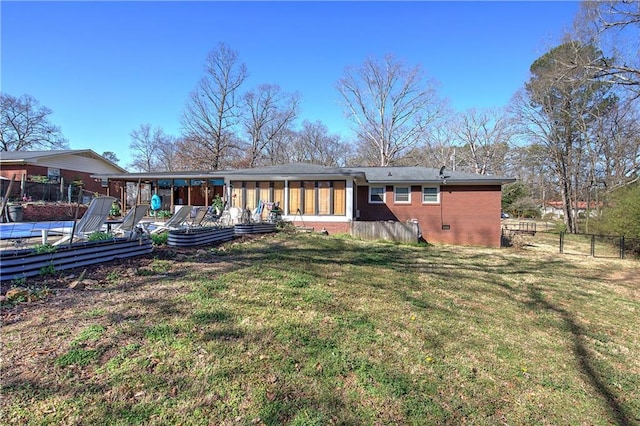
(450, 207)
(66, 166)
(555, 209)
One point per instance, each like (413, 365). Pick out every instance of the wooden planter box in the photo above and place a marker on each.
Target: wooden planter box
(15, 264)
(199, 236)
(255, 228)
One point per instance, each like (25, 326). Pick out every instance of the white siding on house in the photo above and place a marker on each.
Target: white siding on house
(81, 163)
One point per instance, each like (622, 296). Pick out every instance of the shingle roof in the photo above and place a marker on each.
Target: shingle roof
(34, 156)
(424, 174)
(304, 171)
(295, 169)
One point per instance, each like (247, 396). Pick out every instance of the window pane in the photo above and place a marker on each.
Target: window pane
(250, 190)
(402, 194)
(339, 197)
(309, 197)
(264, 194)
(430, 195)
(324, 197)
(278, 193)
(294, 197)
(236, 195)
(376, 194)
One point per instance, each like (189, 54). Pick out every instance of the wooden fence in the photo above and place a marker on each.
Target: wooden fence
(408, 232)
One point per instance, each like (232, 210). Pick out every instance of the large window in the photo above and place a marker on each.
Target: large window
(402, 194)
(323, 197)
(430, 194)
(376, 194)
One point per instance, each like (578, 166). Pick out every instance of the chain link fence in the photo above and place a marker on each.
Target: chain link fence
(598, 245)
(604, 246)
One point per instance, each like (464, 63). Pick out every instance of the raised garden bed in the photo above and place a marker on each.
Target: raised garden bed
(199, 236)
(255, 228)
(16, 264)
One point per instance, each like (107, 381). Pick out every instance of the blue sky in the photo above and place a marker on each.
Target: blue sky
(105, 68)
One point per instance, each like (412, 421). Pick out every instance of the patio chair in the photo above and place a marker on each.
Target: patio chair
(175, 222)
(130, 222)
(91, 221)
(199, 218)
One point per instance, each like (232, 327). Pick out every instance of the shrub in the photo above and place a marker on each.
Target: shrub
(99, 236)
(44, 248)
(160, 239)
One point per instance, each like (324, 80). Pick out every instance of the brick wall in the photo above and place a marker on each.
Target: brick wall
(48, 212)
(471, 213)
(330, 227)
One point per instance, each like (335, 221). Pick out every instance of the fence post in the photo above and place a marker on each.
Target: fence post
(622, 247)
(593, 245)
(561, 242)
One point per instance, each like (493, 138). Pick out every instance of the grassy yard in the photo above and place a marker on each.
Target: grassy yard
(314, 330)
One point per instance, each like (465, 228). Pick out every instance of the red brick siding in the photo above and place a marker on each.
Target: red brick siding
(47, 212)
(330, 227)
(88, 183)
(472, 213)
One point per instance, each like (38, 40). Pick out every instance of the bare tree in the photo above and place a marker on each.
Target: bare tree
(193, 154)
(268, 114)
(616, 155)
(529, 164)
(485, 136)
(212, 111)
(147, 146)
(437, 149)
(390, 104)
(314, 144)
(613, 26)
(24, 125)
(279, 151)
(167, 154)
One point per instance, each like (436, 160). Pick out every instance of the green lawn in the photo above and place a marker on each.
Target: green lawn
(312, 330)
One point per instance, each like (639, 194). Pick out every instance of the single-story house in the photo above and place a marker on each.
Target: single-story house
(56, 167)
(450, 207)
(555, 209)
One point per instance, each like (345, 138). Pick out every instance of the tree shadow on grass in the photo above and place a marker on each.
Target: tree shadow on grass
(618, 412)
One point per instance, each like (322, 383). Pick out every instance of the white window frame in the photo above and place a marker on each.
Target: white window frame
(395, 194)
(384, 195)
(437, 200)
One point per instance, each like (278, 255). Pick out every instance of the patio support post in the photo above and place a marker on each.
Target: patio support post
(123, 196)
(23, 185)
(172, 197)
(285, 207)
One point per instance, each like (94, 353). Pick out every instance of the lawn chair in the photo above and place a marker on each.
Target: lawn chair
(199, 219)
(175, 222)
(129, 227)
(91, 221)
